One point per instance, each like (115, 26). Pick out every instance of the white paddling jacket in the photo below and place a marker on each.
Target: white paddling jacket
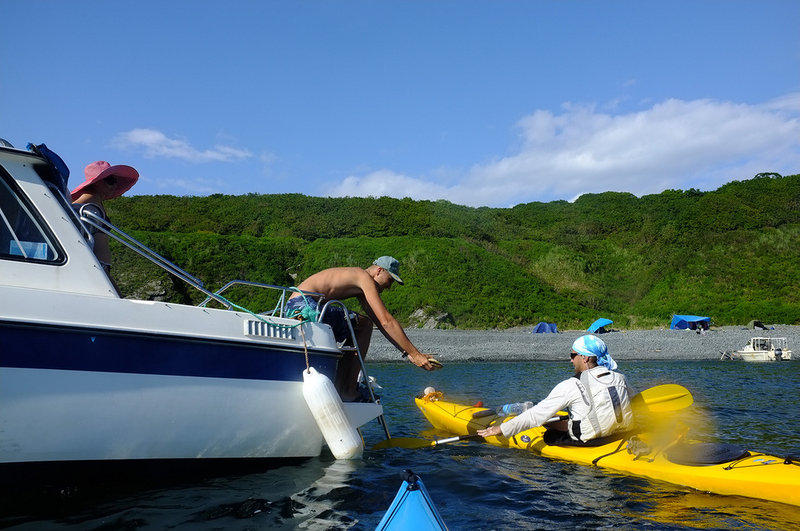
(599, 404)
(609, 400)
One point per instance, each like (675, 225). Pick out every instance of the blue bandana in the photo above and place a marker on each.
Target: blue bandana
(594, 346)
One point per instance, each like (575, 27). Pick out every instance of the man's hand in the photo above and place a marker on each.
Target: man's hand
(425, 361)
(490, 431)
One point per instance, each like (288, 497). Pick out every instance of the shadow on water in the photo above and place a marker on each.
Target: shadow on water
(72, 490)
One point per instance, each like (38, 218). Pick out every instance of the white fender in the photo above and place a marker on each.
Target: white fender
(326, 407)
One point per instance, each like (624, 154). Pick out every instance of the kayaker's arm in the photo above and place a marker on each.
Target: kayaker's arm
(543, 412)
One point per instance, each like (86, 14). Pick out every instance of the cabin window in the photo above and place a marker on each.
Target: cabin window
(23, 235)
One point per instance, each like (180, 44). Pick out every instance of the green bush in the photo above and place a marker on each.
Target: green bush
(732, 254)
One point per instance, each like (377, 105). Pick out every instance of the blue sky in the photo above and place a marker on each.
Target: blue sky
(476, 102)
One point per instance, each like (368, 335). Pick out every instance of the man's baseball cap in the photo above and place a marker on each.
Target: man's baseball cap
(390, 264)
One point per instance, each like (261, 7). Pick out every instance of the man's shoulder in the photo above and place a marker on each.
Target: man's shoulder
(570, 383)
(338, 282)
(343, 273)
(347, 269)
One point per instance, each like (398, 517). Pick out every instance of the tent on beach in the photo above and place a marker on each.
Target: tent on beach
(545, 328)
(600, 325)
(752, 325)
(692, 322)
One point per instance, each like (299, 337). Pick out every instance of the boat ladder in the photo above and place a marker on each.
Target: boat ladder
(354, 349)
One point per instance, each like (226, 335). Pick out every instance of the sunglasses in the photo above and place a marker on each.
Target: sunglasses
(572, 355)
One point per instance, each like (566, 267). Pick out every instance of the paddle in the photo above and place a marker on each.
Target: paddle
(662, 399)
(408, 442)
(658, 399)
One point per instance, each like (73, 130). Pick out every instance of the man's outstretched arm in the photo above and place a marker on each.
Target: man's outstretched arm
(376, 310)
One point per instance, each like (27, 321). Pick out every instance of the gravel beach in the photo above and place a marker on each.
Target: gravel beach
(520, 344)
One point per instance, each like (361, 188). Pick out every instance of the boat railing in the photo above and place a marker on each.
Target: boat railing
(355, 349)
(90, 217)
(280, 307)
(780, 342)
(767, 343)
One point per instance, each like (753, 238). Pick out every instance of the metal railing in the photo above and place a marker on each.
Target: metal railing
(89, 217)
(357, 350)
(280, 307)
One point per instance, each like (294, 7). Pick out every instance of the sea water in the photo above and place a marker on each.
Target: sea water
(474, 485)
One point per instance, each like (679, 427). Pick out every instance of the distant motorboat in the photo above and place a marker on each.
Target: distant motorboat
(762, 349)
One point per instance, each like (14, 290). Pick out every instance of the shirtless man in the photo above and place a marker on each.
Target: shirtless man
(339, 283)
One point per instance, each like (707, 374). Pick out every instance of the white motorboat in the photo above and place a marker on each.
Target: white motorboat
(762, 349)
(88, 376)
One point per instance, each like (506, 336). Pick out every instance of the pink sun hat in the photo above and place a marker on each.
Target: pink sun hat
(97, 171)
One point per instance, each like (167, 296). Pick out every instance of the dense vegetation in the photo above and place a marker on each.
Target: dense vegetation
(732, 254)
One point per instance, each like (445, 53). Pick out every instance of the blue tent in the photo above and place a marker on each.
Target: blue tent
(598, 326)
(545, 328)
(682, 322)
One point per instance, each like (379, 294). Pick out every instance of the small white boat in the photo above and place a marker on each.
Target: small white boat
(762, 349)
(88, 376)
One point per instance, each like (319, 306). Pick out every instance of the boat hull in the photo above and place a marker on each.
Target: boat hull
(78, 393)
(761, 356)
(67, 415)
(757, 475)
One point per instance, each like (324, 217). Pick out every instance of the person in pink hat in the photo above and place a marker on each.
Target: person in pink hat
(103, 182)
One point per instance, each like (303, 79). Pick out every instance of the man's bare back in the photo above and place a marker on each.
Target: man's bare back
(339, 283)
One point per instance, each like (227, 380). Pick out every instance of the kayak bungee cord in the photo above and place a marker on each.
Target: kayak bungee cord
(619, 449)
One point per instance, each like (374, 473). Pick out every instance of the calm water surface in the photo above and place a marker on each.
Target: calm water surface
(475, 486)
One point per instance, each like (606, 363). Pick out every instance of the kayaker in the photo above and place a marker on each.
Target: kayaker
(597, 398)
(339, 283)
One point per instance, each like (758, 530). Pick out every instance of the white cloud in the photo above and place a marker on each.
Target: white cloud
(388, 183)
(195, 185)
(156, 144)
(673, 144)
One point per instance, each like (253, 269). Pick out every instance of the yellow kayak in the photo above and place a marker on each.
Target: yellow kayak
(709, 467)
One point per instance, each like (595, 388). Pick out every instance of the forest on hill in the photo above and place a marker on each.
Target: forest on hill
(732, 254)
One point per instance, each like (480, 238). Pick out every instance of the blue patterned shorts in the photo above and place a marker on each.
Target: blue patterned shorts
(334, 315)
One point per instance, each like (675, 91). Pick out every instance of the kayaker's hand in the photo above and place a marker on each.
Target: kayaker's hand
(424, 361)
(491, 431)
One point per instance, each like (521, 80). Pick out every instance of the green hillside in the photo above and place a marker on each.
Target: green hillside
(732, 254)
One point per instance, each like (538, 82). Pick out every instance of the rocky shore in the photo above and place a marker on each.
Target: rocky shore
(520, 344)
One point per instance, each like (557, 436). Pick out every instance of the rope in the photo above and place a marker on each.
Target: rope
(619, 449)
(305, 348)
(307, 313)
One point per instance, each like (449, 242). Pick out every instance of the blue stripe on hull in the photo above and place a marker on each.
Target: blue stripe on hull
(79, 349)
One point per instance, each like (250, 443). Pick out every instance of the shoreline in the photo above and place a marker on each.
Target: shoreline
(519, 344)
